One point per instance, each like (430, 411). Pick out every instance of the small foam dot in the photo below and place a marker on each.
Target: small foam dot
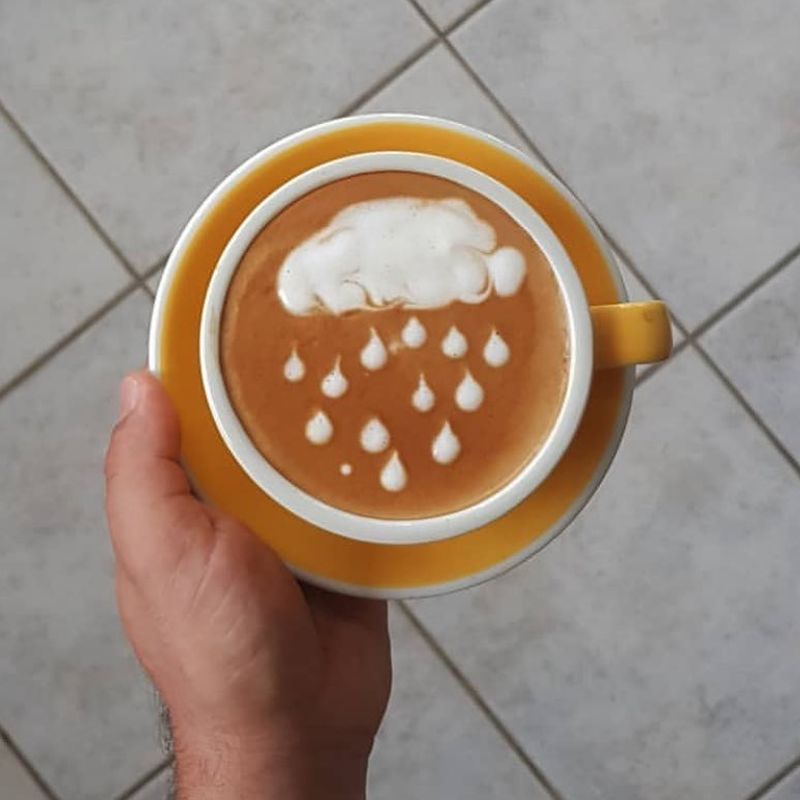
(346, 469)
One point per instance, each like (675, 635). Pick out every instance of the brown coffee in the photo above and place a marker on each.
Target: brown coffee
(395, 345)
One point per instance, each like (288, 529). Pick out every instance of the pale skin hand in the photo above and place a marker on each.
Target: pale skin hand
(274, 690)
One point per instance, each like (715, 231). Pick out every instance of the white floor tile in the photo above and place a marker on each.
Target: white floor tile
(157, 789)
(435, 742)
(56, 271)
(758, 346)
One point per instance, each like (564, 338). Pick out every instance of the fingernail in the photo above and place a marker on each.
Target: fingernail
(128, 396)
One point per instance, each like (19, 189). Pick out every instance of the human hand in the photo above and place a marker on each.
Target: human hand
(273, 689)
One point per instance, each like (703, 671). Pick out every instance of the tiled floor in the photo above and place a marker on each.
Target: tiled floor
(652, 650)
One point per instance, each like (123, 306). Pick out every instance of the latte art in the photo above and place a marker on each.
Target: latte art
(395, 345)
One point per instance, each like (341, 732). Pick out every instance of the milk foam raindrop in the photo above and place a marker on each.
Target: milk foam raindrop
(423, 398)
(454, 345)
(495, 351)
(294, 370)
(414, 334)
(393, 475)
(469, 393)
(319, 429)
(446, 446)
(334, 384)
(374, 436)
(374, 356)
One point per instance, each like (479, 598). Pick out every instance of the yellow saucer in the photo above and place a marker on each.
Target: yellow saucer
(313, 554)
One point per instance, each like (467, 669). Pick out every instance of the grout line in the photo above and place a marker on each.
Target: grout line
(151, 775)
(383, 82)
(428, 19)
(160, 264)
(458, 21)
(772, 782)
(416, 56)
(87, 323)
(752, 413)
(748, 290)
(500, 107)
(626, 259)
(68, 338)
(41, 783)
(479, 82)
(67, 189)
(653, 368)
(478, 700)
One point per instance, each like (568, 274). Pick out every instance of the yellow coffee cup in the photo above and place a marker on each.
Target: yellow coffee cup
(615, 335)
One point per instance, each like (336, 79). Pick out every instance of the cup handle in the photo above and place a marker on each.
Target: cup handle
(630, 333)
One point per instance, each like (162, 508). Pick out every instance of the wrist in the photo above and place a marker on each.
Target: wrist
(217, 766)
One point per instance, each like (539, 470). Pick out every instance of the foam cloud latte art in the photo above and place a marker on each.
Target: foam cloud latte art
(403, 252)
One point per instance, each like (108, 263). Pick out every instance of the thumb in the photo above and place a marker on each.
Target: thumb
(151, 510)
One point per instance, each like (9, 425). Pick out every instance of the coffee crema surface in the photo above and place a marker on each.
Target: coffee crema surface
(395, 345)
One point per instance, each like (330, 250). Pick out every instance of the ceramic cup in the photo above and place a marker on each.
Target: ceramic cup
(599, 337)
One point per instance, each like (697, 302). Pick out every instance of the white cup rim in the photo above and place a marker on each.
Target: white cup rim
(383, 530)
